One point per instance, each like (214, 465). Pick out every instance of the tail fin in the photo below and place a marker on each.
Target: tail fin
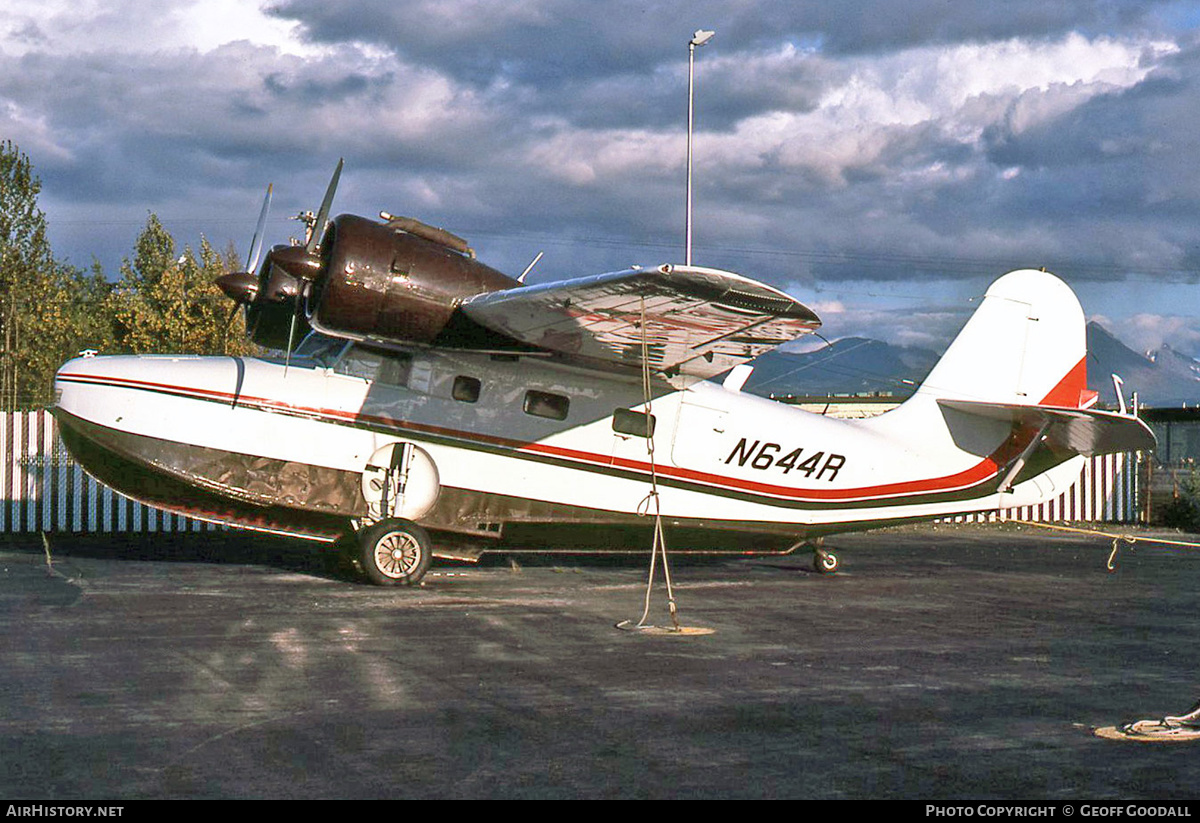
(1025, 344)
(1019, 365)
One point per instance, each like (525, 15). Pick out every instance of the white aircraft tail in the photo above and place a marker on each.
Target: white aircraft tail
(1014, 378)
(1026, 344)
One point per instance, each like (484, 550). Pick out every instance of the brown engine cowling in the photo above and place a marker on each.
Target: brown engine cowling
(381, 282)
(396, 281)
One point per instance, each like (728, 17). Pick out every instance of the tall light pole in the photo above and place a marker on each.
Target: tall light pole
(698, 39)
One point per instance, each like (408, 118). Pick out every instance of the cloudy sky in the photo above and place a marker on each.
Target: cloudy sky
(880, 160)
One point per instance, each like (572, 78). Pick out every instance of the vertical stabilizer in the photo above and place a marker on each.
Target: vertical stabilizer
(1026, 344)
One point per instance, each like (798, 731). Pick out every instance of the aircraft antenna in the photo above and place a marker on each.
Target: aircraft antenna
(529, 268)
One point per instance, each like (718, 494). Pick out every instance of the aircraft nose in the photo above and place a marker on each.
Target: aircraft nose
(70, 374)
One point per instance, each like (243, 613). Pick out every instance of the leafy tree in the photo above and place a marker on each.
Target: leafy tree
(41, 301)
(168, 302)
(49, 311)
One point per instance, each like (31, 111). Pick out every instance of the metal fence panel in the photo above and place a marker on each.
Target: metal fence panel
(42, 488)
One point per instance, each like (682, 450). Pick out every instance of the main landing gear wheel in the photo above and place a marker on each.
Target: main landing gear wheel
(394, 552)
(825, 562)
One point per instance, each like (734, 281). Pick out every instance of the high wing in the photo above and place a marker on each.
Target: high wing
(1083, 431)
(699, 322)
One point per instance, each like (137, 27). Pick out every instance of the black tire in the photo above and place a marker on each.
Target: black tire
(826, 562)
(394, 552)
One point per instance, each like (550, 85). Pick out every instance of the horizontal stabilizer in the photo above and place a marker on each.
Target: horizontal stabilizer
(698, 322)
(1083, 431)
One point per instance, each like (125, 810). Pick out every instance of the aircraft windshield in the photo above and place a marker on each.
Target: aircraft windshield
(374, 364)
(320, 349)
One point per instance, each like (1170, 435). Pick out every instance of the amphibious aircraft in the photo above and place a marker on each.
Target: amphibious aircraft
(439, 407)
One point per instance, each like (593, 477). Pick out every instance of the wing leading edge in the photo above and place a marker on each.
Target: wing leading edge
(699, 322)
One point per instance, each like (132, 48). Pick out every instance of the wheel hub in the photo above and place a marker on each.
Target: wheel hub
(397, 554)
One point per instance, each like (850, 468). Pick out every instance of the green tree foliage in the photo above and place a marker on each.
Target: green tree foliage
(164, 301)
(1183, 512)
(167, 302)
(43, 319)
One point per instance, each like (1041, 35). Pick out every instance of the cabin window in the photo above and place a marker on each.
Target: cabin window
(466, 389)
(638, 424)
(544, 404)
(389, 367)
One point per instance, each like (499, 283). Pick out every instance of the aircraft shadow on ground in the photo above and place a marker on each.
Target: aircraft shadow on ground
(328, 562)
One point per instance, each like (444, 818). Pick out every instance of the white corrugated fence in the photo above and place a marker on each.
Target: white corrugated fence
(43, 489)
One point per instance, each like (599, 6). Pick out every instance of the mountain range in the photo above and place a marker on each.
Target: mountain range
(862, 366)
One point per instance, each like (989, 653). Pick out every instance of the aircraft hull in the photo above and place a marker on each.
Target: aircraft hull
(253, 443)
(230, 488)
(167, 475)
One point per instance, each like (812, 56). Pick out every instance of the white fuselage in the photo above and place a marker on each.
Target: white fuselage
(528, 439)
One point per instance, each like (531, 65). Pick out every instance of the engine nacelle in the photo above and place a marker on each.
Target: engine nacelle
(382, 282)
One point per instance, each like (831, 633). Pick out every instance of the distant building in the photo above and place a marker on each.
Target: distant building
(1178, 433)
(1177, 456)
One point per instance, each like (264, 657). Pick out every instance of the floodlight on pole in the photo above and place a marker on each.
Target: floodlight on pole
(698, 39)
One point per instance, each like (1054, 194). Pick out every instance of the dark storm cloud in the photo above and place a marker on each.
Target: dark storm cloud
(547, 41)
(315, 91)
(881, 140)
(1117, 175)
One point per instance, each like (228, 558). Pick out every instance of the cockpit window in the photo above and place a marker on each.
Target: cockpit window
(320, 349)
(391, 367)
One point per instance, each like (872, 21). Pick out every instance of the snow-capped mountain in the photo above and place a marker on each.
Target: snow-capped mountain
(857, 365)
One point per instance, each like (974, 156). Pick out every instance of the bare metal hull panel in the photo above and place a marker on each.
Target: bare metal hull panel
(318, 503)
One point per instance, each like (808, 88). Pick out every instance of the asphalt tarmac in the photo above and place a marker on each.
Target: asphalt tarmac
(939, 663)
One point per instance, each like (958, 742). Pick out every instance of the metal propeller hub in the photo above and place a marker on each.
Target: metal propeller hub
(297, 261)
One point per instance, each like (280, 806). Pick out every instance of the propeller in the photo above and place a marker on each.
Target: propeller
(242, 286)
(305, 265)
(287, 273)
(303, 262)
(326, 204)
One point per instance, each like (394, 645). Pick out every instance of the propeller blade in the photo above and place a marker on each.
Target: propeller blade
(323, 214)
(257, 243)
(287, 358)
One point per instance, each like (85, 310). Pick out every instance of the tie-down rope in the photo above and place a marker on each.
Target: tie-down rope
(1117, 539)
(651, 500)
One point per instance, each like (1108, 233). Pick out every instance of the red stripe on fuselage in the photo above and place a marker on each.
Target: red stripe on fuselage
(981, 471)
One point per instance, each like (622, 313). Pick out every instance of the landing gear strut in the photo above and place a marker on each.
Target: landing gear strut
(394, 552)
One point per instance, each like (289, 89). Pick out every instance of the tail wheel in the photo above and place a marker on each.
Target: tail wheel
(394, 552)
(825, 562)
